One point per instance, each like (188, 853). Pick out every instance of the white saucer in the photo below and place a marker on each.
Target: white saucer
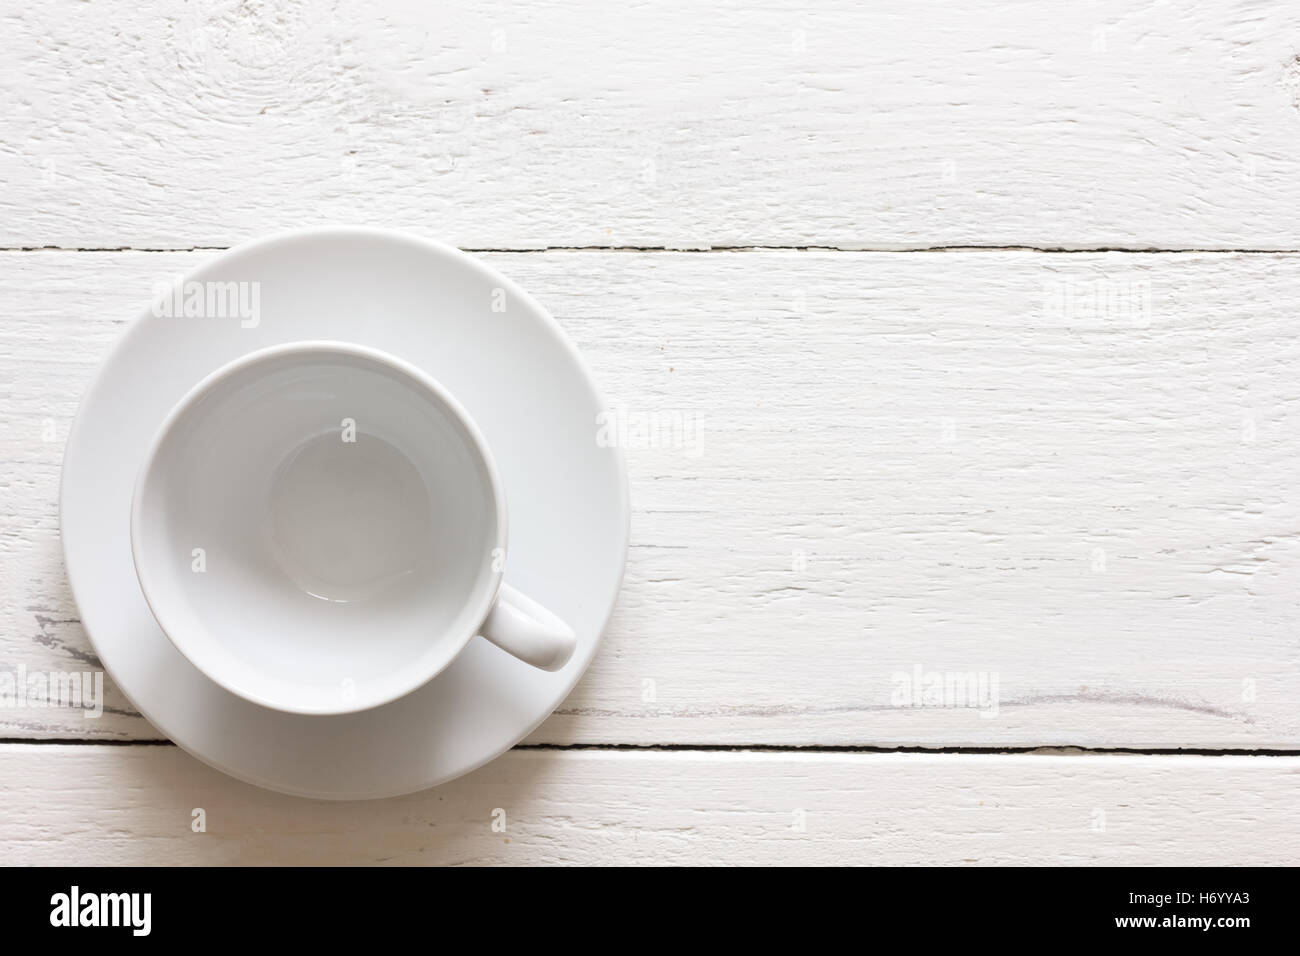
(522, 382)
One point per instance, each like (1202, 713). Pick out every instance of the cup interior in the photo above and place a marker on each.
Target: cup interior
(318, 528)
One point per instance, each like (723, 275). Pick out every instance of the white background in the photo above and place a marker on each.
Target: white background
(982, 317)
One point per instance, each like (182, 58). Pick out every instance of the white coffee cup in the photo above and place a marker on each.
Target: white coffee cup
(320, 528)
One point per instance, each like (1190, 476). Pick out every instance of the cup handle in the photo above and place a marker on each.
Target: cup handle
(520, 626)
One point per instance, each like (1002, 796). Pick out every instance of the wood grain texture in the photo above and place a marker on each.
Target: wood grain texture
(89, 805)
(492, 124)
(1071, 472)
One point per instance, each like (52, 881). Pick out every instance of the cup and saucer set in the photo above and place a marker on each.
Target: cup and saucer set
(336, 517)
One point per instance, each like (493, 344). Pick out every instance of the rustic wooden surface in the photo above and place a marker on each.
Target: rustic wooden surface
(1070, 465)
(138, 805)
(492, 124)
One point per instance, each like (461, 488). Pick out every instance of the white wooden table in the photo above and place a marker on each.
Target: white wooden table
(976, 331)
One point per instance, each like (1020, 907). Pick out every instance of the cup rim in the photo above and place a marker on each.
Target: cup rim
(481, 608)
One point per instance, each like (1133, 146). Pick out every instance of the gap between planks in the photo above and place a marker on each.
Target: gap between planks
(1052, 751)
(1044, 250)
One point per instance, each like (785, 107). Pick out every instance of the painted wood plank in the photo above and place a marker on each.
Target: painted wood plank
(1074, 474)
(94, 805)
(492, 124)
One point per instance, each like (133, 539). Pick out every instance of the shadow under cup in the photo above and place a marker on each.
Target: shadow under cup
(317, 528)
